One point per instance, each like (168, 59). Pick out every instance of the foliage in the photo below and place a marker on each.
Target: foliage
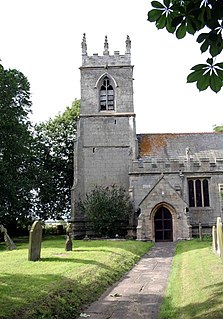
(54, 163)
(107, 209)
(36, 168)
(185, 16)
(16, 158)
(61, 284)
(218, 128)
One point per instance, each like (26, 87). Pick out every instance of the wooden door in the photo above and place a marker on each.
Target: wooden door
(163, 225)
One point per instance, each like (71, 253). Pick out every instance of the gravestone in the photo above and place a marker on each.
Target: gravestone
(219, 237)
(214, 239)
(69, 244)
(9, 242)
(35, 240)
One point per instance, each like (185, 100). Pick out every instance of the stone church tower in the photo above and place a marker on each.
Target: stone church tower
(106, 141)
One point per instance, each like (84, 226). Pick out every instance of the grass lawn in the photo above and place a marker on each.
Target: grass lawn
(62, 282)
(195, 287)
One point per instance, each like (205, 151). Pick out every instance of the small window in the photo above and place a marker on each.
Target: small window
(198, 190)
(106, 95)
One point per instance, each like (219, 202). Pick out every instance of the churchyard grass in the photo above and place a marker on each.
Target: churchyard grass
(195, 286)
(62, 282)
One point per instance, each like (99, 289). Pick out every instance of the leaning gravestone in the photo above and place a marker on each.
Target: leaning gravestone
(35, 240)
(9, 242)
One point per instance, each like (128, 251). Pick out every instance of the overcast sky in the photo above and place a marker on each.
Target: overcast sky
(42, 39)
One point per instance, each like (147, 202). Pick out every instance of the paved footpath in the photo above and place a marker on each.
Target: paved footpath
(138, 295)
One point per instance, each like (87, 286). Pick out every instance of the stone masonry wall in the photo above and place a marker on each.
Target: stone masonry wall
(145, 174)
(123, 89)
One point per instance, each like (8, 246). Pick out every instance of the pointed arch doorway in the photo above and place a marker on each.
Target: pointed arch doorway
(163, 224)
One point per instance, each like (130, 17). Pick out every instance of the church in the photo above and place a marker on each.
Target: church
(175, 180)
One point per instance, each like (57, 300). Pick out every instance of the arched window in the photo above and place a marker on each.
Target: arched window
(191, 193)
(198, 192)
(206, 193)
(106, 95)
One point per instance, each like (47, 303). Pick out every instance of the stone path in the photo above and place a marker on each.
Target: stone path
(139, 293)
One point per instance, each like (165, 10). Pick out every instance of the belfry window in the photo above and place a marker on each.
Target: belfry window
(106, 95)
(198, 190)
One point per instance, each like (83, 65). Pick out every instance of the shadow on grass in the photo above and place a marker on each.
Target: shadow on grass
(67, 298)
(127, 245)
(96, 250)
(184, 246)
(2, 246)
(56, 296)
(74, 260)
(18, 291)
(82, 245)
(50, 296)
(211, 308)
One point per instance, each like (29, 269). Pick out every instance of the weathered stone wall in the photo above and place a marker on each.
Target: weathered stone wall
(123, 88)
(105, 131)
(100, 168)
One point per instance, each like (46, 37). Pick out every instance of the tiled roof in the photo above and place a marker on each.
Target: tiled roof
(176, 145)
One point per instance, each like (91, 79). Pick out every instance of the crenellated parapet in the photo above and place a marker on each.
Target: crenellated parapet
(106, 59)
(176, 165)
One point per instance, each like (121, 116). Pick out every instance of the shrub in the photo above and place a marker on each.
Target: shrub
(107, 210)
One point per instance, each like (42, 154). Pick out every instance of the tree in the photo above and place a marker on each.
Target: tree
(16, 158)
(54, 163)
(185, 16)
(218, 128)
(107, 209)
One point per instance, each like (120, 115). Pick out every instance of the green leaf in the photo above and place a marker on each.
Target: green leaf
(194, 76)
(157, 4)
(210, 61)
(181, 31)
(198, 24)
(199, 66)
(201, 15)
(215, 83)
(215, 49)
(205, 45)
(213, 36)
(220, 73)
(177, 20)
(169, 25)
(203, 82)
(190, 27)
(213, 23)
(154, 15)
(220, 65)
(167, 3)
(161, 22)
(202, 37)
